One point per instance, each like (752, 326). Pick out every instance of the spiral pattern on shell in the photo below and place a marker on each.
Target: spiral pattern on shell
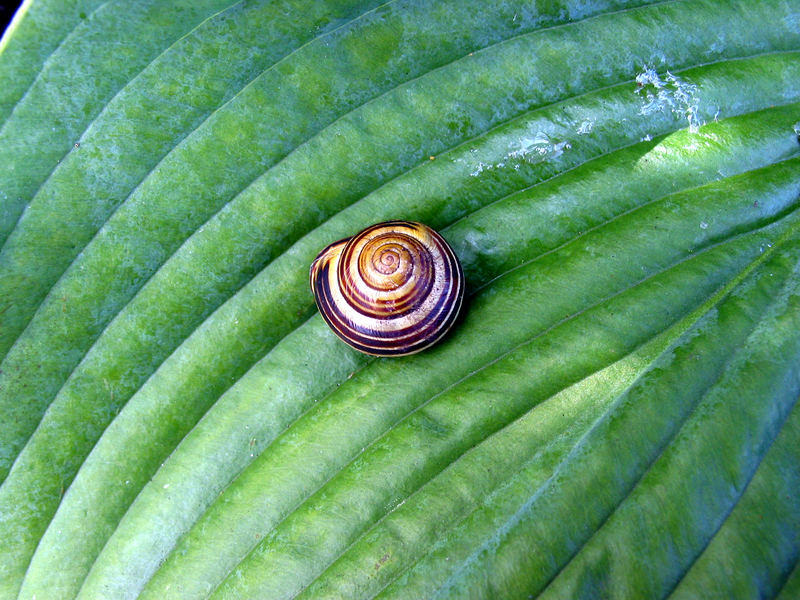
(393, 289)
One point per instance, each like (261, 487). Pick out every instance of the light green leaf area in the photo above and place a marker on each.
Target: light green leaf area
(613, 416)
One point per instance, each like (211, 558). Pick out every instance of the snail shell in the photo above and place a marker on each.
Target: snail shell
(393, 289)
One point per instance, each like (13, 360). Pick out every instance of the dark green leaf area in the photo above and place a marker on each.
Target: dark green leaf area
(791, 588)
(698, 480)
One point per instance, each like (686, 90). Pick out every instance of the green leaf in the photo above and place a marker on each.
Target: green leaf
(615, 414)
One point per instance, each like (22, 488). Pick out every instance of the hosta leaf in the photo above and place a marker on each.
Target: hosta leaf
(613, 416)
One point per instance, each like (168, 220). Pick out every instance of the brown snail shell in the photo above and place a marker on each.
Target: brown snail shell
(393, 289)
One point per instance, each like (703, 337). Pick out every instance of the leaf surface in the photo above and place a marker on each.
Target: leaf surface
(614, 415)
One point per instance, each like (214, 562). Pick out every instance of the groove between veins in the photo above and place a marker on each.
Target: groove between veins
(792, 572)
